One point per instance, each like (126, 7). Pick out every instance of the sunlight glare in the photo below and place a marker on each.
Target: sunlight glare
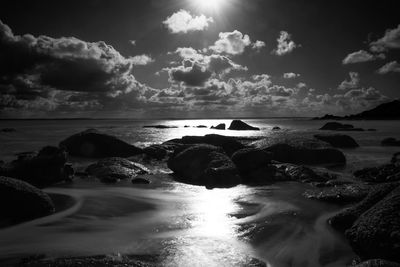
(209, 4)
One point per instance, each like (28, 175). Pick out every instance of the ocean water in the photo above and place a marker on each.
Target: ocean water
(186, 225)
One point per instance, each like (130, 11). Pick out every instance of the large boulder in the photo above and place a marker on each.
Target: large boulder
(111, 170)
(338, 140)
(254, 166)
(390, 142)
(337, 126)
(376, 233)
(229, 144)
(303, 154)
(239, 125)
(204, 165)
(43, 168)
(93, 144)
(20, 201)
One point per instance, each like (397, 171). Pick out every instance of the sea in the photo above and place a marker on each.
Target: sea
(185, 225)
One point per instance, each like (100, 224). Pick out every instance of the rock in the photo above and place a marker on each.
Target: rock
(395, 158)
(239, 125)
(160, 126)
(371, 130)
(378, 263)
(44, 168)
(276, 128)
(221, 126)
(385, 173)
(111, 170)
(390, 142)
(204, 165)
(229, 144)
(338, 140)
(140, 181)
(343, 194)
(336, 126)
(302, 174)
(201, 126)
(376, 233)
(305, 154)
(345, 219)
(157, 151)
(93, 144)
(20, 201)
(8, 130)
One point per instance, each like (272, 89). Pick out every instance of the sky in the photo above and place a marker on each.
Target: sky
(196, 58)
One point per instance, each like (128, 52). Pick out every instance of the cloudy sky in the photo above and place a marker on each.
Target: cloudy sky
(197, 58)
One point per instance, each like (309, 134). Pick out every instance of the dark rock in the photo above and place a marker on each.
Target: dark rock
(390, 142)
(385, 173)
(221, 126)
(20, 201)
(111, 170)
(371, 130)
(302, 174)
(395, 158)
(276, 128)
(376, 233)
(201, 126)
(239, 125)
(305, 154)
(160, 126)
(41, 169)
(204, 165)
(8, 130)
(249, 159)
(378, 263)
(336, 126)
(343, 194)
(93, 144)
(229, 144)
(156, 151)
(338, 140)
(345, 219)
(140, 181)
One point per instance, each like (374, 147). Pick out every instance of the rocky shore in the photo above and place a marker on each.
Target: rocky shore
(371, 224)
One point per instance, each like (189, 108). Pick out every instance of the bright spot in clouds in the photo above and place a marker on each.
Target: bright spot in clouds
(208, 4)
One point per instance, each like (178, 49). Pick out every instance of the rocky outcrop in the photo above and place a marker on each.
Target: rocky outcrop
(239, 125)
(390, 142)
(43, 168)
(229, 144)
(220, 126)
(336, 126)
(376, 233)
(20, 201)
(111, 170)
(93, 144)
(338, 140)
(204, 165)
(341, 194)
(385, 173)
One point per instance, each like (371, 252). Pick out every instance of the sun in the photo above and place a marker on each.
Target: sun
(209, 5)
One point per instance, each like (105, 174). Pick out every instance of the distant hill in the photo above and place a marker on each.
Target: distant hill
(386, 111)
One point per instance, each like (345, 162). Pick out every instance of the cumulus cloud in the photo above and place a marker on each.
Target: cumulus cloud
(142, 60)
(390, 40)
(233, 43)
(258, 45)
(290, 75)
(353, 83)
(184, 22)
(389, 67)
(361, 56)
(285, 44)
(191, 74)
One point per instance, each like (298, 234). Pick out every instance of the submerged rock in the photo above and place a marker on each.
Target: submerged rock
(376, 233)
(111, 170)
(93, 144)
(336, 126)
(221, 126)
(20, 201)
(338, 140)
(342, 194)
(390, 142)
(160, 126)
(276, 128)
(204, 165)
(43, 168)
(239, 125)
(228, 144)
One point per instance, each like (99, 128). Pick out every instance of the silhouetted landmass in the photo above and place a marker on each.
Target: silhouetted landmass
(386, 111)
